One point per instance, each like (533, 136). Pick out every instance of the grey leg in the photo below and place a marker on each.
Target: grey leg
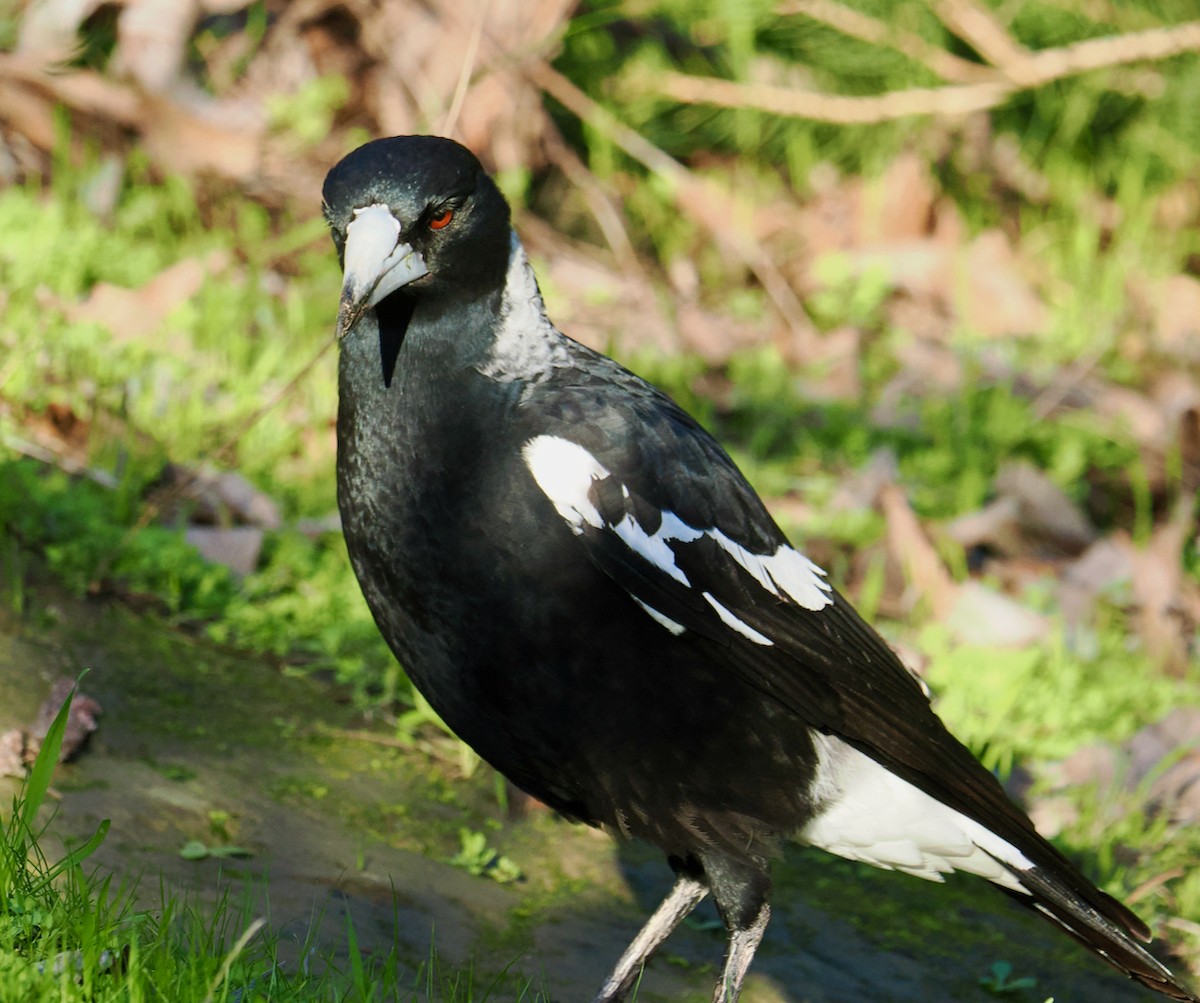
(742, 945)
(680, 901)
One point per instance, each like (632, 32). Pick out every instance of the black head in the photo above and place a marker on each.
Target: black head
(415, 216)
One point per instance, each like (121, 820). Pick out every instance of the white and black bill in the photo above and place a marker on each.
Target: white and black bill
(376, 263)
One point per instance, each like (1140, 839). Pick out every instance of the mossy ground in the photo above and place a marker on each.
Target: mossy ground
(202, 746)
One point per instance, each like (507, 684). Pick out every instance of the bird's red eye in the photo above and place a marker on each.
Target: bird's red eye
(441, 220)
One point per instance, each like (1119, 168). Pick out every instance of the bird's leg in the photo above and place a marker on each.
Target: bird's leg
(742, 945)
(680, 901)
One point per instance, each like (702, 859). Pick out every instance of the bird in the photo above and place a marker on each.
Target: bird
(591, 595)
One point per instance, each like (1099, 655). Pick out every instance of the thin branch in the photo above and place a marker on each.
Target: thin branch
(1035, 70)
(836, 108)
(54, 458)
(606, 215)
(468, 67)
(855, 24)
(980, 29)
(711, 207)
(1114, 50)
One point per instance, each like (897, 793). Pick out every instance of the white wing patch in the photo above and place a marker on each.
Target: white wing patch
(785, 569)
(657, 617)
(730, 620)
(872, 815)
(565, 472)
(653, 546)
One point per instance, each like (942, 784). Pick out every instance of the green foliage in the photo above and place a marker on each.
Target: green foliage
(68, 938)
(479, 859)
(80, 533)
(1040, 704)
(46, 914)
(194, 389)
(999, 981)
(307, 115)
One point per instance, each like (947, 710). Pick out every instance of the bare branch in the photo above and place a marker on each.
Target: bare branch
(709, 206)
(1034, 70)
(855, 24)
(1114, 50)
(820, 107)
(468, 65)
(980, 29)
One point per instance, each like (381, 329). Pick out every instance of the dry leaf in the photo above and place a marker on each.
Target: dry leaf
(82, 720)
(997, 299)
(12, 753)
(1157, 579)
(221, 497)
(152, 40)
(1105, 564)
(1044, 513)
(1177, 316)
(910, 546)
(987, 618)
(135, 314)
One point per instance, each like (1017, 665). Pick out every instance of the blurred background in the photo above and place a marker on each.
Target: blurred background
(929, 268)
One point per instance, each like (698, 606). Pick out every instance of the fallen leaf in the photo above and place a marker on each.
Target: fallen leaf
(984, 617)
(995, 299)
(1176, 318)
(82, 720)
(1106, 564)
(995, 526)
(1157, 578)
(135, 314)
(1044, 513)
(908, 544)
(12, 753)
(153, 38)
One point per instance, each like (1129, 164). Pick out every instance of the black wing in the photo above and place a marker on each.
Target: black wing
(659, 506)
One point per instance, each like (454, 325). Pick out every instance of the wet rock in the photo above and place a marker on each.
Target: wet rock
(12, 753)
(237, 547)
(82, 720)
(222, 497)
(19, 747)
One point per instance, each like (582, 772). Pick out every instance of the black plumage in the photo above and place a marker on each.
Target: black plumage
(591, 595)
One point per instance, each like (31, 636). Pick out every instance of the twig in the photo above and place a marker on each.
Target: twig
(358, 735)
(836, 108)
(1065, 382)
(468, 67)
(1152, 884)
(855, 24)
(53, 458)
(603, 211)
(981, 30)
(1035, 70)
(712, 208)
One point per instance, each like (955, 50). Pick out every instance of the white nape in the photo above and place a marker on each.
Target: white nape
(527, 346)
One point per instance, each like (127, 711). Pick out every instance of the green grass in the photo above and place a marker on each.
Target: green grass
(70, 937)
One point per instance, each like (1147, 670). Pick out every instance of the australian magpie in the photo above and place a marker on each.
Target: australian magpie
(589, 592)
